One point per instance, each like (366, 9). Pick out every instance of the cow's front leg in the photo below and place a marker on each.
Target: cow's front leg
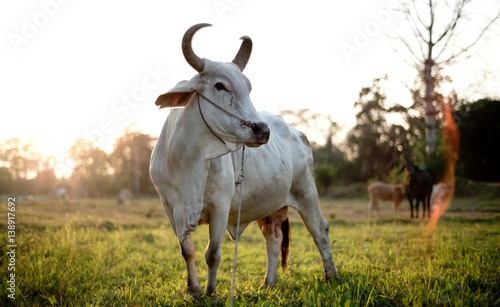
(375, 206)
(188, 252)
(411, 206)
(371, 206)
(217, 229)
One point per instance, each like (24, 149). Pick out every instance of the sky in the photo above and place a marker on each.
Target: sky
(87, 69)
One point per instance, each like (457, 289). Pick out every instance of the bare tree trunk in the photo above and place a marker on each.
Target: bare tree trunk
(430, 111)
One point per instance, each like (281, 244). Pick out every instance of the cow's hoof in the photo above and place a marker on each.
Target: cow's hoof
(210, 291)
(329, 275)
(194, 293)
(213, 296)
(266, 285)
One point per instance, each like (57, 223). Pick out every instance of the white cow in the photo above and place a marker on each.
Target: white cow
(197, 160)
(441, 197)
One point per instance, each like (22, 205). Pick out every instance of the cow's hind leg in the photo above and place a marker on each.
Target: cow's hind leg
(424, 207)
(427, 201)
(271, 227)
(417, 204)
(305, 200)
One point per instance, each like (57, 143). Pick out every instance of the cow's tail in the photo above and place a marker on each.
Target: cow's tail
(287, 234)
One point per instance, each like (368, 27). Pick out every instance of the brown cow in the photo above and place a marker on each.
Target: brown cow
(385, 192)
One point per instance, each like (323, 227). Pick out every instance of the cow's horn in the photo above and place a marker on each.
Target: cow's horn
(243, 55)
(187, 49)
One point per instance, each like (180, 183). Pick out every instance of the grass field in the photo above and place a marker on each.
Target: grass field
(97, 253)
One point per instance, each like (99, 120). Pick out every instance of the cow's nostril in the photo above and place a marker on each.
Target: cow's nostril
(261, 131)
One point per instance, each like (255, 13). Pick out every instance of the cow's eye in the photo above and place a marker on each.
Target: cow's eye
(220, 87)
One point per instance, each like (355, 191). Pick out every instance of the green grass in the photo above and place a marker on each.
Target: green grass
(96, 253)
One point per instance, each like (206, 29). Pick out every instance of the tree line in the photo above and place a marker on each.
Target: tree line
(94, 173)
(373, 149)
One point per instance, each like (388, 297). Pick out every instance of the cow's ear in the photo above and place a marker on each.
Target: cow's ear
(180, 95)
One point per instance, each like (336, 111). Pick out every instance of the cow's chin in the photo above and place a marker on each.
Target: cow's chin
(257, 142)
(236, 146)
(254, 144)
(249, 143)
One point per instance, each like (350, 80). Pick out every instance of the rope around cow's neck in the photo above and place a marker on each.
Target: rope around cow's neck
(241, 178)
(243, 122)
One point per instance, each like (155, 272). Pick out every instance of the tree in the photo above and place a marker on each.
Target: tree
(46, 179)
(5, 180)
(91, 169)
(319, 128)
(130, 161)
(479, 127)
(328, 164)
(23, 162)
(373, 144)
(436, 44)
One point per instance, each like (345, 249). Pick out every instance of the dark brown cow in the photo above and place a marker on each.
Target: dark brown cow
(418, 184)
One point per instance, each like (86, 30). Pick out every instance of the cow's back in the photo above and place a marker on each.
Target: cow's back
(380, 190)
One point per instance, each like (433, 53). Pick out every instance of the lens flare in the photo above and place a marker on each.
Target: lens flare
(442, 193)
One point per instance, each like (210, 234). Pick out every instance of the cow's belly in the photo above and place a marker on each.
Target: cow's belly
(259, 203)
(268, 178)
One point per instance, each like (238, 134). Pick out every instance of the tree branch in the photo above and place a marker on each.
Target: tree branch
(415, 57)
(418, 16)
(431, 25)
(453, 23)
(448, 40)
(453, 57)
(417, 30)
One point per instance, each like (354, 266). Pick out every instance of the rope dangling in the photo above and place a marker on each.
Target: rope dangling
(239, 182)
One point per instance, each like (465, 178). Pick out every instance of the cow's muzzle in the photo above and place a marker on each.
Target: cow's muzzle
(261, 134)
